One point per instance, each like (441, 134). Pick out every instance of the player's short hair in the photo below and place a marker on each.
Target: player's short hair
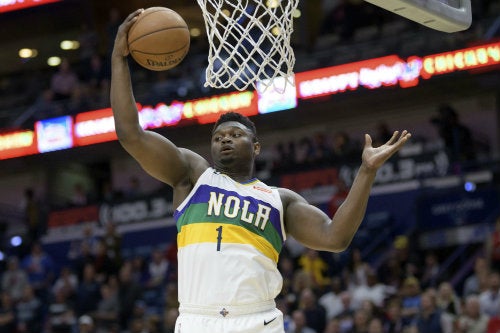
(234, 116)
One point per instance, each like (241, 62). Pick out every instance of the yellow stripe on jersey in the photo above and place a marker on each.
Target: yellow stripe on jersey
(207, 233)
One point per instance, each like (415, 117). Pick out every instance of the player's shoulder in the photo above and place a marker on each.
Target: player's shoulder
(289, 196)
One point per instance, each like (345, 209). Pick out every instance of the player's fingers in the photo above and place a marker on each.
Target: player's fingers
(368, 141)
(393, 138)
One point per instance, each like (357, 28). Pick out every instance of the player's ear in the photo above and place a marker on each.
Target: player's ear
(256, 148)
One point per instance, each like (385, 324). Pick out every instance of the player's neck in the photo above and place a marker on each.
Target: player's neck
(240, 175)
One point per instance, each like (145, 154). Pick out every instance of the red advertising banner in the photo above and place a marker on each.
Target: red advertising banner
(94, 127)
(208, 110)
(16, 144)
(9, 6)
(461, 60)
(73, 216)
(309, 179)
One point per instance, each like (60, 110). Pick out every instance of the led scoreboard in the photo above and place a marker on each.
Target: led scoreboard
(12, 5)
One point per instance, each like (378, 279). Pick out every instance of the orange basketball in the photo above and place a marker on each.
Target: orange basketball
(159, 39)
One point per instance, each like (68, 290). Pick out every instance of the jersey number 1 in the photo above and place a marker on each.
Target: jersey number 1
(219, 237)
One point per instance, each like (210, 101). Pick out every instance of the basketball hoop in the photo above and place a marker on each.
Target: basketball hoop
(249, 41)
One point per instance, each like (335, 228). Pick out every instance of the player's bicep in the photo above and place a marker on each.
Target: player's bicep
(306, 223)
(159, 157)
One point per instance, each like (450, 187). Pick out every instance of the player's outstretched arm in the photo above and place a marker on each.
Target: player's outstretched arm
(156, 154)
(313, 228)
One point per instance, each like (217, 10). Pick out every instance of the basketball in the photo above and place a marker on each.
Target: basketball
(159, 39)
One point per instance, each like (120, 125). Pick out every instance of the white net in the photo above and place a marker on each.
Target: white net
(249, 41)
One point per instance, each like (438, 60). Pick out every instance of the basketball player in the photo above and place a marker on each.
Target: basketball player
(231, 226)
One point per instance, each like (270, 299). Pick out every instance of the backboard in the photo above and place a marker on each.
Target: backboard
(443, 15)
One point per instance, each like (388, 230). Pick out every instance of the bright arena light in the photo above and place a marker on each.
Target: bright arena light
(194, 32)
(54, 61)
(297, 13)
(16, 241)
(27, 53)
(273, 3)
(276, 31)
(69, 45)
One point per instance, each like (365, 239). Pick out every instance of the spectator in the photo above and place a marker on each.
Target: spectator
(472, 320)
(134, 189)
(128, 293)
(390, 271)
(29, 313)
(89, 40)
(283, 305)
(347, 314)
(86, 324)
(338, 198)
(360, 321)
(80, 196)
(61, 314)
(32, 214)
(331, 300)
(88, 294)
(430, 318)
(457, 137)
(103, 264)
(40, 268)
(64, 81)
(476, 283)
(299, 323)
(372, 291)
(356, 270)
(447, 299)
(7, 313)
(393, 322)
(170, 318)
(113, 241)
(80, 254)
(14, 279)
(287, 269)
(311, 263)
(79, 101)
(382, 134)
(106, 314)
(430, 272)
(375, 326)
(333, 326)
(342, 148)
(410, 293)
(493, 247)
(67, 282)
(490, 298)
(158, 268)
(314, 312)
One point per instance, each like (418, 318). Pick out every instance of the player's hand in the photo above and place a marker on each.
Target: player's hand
(374, 157)
(121, 44)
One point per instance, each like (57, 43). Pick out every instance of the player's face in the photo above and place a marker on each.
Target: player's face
(233, 142)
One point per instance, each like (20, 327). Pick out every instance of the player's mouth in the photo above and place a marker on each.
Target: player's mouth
(226, 149)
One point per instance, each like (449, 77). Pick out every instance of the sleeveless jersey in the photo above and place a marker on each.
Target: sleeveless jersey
(229, 236)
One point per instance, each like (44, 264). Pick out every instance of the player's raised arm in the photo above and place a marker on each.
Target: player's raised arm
(312, 227)
(156, 154)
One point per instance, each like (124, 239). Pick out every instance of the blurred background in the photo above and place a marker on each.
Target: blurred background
(87, 241)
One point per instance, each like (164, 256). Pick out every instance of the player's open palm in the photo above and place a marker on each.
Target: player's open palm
(374, 157)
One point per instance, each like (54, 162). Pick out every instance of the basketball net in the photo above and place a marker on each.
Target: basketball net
(249, 41)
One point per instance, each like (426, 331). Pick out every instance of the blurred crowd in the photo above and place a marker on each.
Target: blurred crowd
(99, 290)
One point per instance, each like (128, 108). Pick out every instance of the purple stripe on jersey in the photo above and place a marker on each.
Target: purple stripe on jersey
(202, 195)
